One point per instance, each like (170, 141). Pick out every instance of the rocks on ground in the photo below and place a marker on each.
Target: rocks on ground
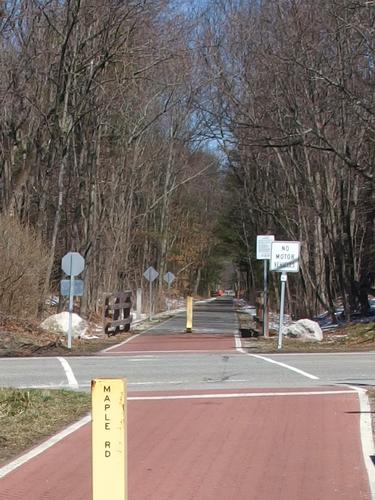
(305, 329)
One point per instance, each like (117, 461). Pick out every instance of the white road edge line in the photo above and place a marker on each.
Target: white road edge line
(69, 373)
(367, 439)
(43, 447)
(238, 343)
(284, 365)
(122, 343)
(181, 351)
(238, 395)
(353, 353)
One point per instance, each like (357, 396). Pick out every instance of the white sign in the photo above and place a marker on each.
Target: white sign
(72, 263)
(285, 256)
(169, 278)
(264, 243)
(150, 274)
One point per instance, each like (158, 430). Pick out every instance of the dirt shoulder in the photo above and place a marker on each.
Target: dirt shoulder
(353, 337)
(25, 343)
(24, 338)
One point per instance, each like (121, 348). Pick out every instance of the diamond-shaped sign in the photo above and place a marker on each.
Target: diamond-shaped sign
(150, 274)
(169, 278)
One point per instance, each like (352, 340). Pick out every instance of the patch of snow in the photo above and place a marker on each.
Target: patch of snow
(59, 323)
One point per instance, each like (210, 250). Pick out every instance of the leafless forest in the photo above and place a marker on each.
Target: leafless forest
(171, 133)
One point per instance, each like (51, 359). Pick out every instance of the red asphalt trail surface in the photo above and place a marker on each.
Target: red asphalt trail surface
(259, 448)
(148, 342)
(213, 331)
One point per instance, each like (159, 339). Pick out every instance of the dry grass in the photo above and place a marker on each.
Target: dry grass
(21, 337)
(29, 416)
(24, 338)
(360, 334)
(23, 258)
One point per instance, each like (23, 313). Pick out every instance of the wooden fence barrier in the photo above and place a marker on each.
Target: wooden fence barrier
(117, 312)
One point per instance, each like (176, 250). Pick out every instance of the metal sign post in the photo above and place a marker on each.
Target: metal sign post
(150, 274)
(265, 298)
(139, 303)
(264, 245)
(72, 264)
(150, 301)
(283, 279)
(169, 278)
(71, 298)
(284, 259)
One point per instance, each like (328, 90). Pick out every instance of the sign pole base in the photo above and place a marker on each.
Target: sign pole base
(283, 279)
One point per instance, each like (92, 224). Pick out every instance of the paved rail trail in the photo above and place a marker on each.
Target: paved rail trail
(214, 327)
(274, 444)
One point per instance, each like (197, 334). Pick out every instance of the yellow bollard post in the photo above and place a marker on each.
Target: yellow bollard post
(109, 439)
(189, 314)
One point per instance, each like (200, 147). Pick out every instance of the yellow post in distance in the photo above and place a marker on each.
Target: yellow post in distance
(189, 314)
(109, 439)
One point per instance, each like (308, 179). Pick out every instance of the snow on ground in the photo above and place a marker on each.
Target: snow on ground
(59, 323)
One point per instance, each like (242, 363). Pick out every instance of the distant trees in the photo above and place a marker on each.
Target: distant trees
(105, 107)
(97, 136)
(292, 101)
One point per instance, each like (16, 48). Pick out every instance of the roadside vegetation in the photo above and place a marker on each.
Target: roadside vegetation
(29, 416)
(359, 337)
(170, 134)
(23, 337)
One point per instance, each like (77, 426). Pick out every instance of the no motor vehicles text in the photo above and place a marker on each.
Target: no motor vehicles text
(285, 256)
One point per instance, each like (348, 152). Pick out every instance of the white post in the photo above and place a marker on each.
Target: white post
(150, 315)
(139, 303)
(169, 295)
(71, 297)
(283, 279)
(265, 299)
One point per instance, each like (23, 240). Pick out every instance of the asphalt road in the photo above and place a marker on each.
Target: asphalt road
(193, 371)
(207, 421)
(165, 358)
